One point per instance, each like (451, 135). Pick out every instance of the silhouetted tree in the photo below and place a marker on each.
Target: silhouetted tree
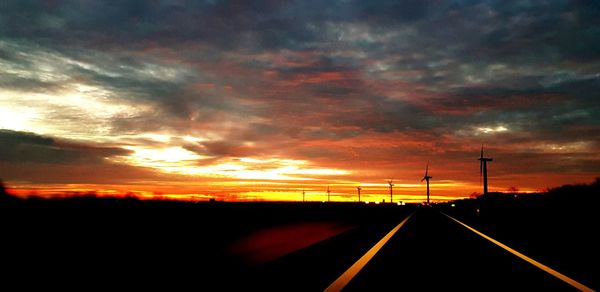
(513, 190)
(577, 193)
(2, 189)
(4, 195)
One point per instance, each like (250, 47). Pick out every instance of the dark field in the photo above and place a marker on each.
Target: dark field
(84, 243)
(109, 242)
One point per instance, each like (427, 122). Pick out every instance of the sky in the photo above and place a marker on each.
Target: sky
(259, 100)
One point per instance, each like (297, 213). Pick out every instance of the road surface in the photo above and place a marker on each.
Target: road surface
(430, 252)
(111, 245)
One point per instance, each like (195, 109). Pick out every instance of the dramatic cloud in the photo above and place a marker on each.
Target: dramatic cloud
(259, 99)
(27, 147)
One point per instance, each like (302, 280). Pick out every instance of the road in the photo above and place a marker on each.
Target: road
(315, 267)
(178, 247)
(430, 252)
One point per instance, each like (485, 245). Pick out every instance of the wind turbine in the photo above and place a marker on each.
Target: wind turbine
(359, 188)
(328, 194)
(303, 195)
(427, 178)
(391, 183)
(483, 170)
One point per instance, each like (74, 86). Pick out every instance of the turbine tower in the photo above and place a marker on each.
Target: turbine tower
(359, 188)
(328, 194)
(303, 195)
(483, 170)
(390, 182)
(427, 178)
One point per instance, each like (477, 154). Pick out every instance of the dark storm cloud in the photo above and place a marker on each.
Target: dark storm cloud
(32, 148)
(566, 28)
(106, 24)
(530, 161)
(450, 32)
(554, 109)
(15, 138)
(462, 40)
(498, 27)
(28, 157)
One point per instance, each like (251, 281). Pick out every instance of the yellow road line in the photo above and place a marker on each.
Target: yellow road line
(347, 276)
(528, 259)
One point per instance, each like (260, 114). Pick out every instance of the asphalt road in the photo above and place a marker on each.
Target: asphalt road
(173, 248)
(433, 252)
(429, 253)
(315, 267)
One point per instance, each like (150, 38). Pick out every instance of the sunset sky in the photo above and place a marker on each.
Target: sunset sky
(257, 100)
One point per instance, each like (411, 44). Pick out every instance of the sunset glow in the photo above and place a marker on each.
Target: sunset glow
(259, 100)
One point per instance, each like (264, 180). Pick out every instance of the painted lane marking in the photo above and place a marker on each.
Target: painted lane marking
(543, 267)
(347, 276)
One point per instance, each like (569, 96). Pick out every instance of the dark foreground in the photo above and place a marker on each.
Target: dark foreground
(90, 243)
